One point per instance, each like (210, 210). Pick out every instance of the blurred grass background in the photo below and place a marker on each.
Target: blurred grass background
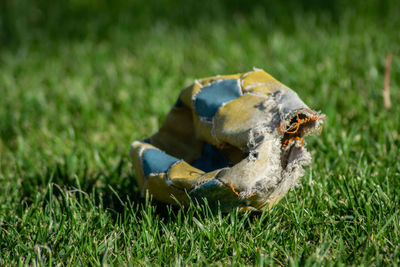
(80, 80)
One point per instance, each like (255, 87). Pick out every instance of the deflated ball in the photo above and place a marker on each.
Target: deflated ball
(235, 140)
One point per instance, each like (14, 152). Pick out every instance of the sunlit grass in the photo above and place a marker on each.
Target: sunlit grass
(69, 109)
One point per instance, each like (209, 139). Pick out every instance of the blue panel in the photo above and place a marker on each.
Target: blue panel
(156, 161)
(211, 97)
(211, 159)
(210, 186)
(216, 192)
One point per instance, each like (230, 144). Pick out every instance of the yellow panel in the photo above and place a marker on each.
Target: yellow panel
(256, 77)
(267, 88)
(188, 93)
(209, 175)
(234, 120)
(203, 130)
(136, 148)
(176, 135)
(259, 81)
(184, 175)
(157, 187)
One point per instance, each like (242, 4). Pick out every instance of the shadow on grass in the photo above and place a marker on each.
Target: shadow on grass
(111, 189)
(114, 189)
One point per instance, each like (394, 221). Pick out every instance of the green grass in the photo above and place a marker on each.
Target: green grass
(80, 81)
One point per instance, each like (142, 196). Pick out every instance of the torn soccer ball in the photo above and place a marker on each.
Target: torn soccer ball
(236, 140)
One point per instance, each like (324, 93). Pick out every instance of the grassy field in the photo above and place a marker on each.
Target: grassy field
(80, 81)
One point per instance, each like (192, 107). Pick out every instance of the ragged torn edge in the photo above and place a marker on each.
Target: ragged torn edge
(292, 154)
